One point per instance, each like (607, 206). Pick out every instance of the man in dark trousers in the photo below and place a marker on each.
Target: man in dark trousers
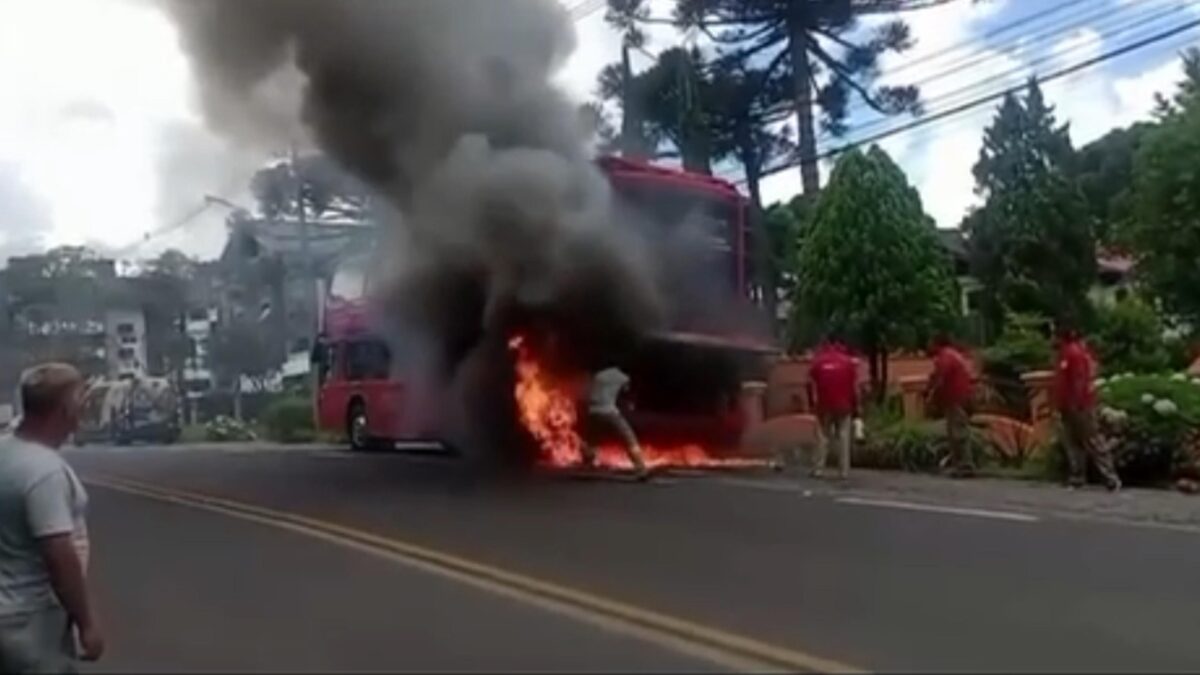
(1075, 398)
(949, 391)
(833, 377)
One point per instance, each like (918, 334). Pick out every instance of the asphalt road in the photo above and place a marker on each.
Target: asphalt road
(187, 591)
(876, 586)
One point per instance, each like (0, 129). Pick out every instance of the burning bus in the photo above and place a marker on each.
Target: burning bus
(686, 371)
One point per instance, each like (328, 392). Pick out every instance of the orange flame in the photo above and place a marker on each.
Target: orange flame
(546, 405)
(547, 408)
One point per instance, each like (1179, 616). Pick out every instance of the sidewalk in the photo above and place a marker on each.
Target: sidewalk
(1132, 505)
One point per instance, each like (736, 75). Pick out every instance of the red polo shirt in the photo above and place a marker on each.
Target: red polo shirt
(954, 377)
(834, 375)
(1073, 377)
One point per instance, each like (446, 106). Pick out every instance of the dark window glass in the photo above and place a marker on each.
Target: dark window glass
(367, 360)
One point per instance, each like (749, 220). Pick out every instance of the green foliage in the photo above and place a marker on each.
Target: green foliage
(289, 419)
(1104, 170)
(784, 225)
(1022, 347)
(871, 267)
(1166, 230)
(193, 433)
(1032, 243)
(223, 429)
(1152, 422)
(244, 348)
(905, 445)
(1129, 337)
(795, 47)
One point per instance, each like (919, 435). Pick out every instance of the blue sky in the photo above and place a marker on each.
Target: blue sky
(102, 149)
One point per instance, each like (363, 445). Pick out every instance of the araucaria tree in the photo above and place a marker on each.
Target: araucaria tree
(815, 46)
(1032, 244)
(871, 268)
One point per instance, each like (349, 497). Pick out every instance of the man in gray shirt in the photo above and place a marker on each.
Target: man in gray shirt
(606, 387)
(44, 600)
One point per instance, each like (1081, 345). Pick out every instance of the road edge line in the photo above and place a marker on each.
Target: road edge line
(710, 641)
(1010, 516)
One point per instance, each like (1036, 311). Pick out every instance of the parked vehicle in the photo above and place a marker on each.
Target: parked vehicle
(129, 409)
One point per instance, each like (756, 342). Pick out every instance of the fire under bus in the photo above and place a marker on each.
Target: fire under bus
(684, 397)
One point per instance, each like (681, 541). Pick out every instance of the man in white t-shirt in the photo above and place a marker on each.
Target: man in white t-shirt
(606, 387)
(45, 604)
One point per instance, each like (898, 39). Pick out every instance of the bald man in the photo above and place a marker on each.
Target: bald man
(45, 605)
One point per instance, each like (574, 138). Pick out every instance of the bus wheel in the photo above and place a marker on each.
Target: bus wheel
(356, 427)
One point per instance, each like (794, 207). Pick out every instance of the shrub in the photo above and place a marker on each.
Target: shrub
(1022, 347)
(289, 419)
(224, 429)
(1129, 337)
(1152, 423)
(913, 446)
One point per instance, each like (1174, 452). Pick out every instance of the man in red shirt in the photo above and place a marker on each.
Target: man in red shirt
(949, 391)
(833, 377)
(1075, 398)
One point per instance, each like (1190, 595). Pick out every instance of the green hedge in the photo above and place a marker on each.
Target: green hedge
(289, 419)
(913, 446)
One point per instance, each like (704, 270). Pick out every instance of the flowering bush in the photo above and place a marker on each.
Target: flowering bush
(223, 429)
(1153, 423)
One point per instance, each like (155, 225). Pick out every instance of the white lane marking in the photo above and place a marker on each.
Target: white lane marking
(933, 508)
(332, 454)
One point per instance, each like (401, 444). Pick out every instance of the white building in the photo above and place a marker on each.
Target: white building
(125, 341)
(197, 369)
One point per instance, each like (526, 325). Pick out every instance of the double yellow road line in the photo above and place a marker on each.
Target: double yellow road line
(734, 651)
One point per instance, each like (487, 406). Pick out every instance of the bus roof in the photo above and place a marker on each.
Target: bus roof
(631, 169)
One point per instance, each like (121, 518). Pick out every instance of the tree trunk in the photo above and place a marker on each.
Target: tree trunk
(695, 155)
(881, 393)
(237, 397)
(875, 368)
(632, 144)
(766, 275)
(810, 178)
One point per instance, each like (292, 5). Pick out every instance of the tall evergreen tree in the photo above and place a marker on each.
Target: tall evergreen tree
(870, 266)
(1031, 241)
(801, 40)
(1165, 230)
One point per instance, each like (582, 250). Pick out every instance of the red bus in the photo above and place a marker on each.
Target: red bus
(685, 380)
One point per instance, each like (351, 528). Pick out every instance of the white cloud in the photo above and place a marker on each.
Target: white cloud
(86, 102)
(99, 122)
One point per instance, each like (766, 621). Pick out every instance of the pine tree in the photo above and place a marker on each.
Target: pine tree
(802, 40)
(1165, 229)
(1032, 243)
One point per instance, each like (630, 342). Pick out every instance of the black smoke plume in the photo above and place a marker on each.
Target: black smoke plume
(446, 108)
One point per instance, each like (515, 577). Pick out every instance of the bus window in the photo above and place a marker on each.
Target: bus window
(321, 359)
(367, 360)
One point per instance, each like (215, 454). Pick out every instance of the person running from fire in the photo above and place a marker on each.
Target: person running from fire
(1075, 398)
(949, 392)
(833, 377)
(605, 388)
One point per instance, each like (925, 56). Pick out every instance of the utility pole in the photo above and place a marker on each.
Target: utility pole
(308, 272)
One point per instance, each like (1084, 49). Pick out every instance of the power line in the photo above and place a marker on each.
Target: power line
(983, 53)
(991, 97)
(998, 30)
(957, 95)
(585, 8)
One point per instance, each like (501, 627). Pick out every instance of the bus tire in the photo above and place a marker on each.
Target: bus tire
(357, 426)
